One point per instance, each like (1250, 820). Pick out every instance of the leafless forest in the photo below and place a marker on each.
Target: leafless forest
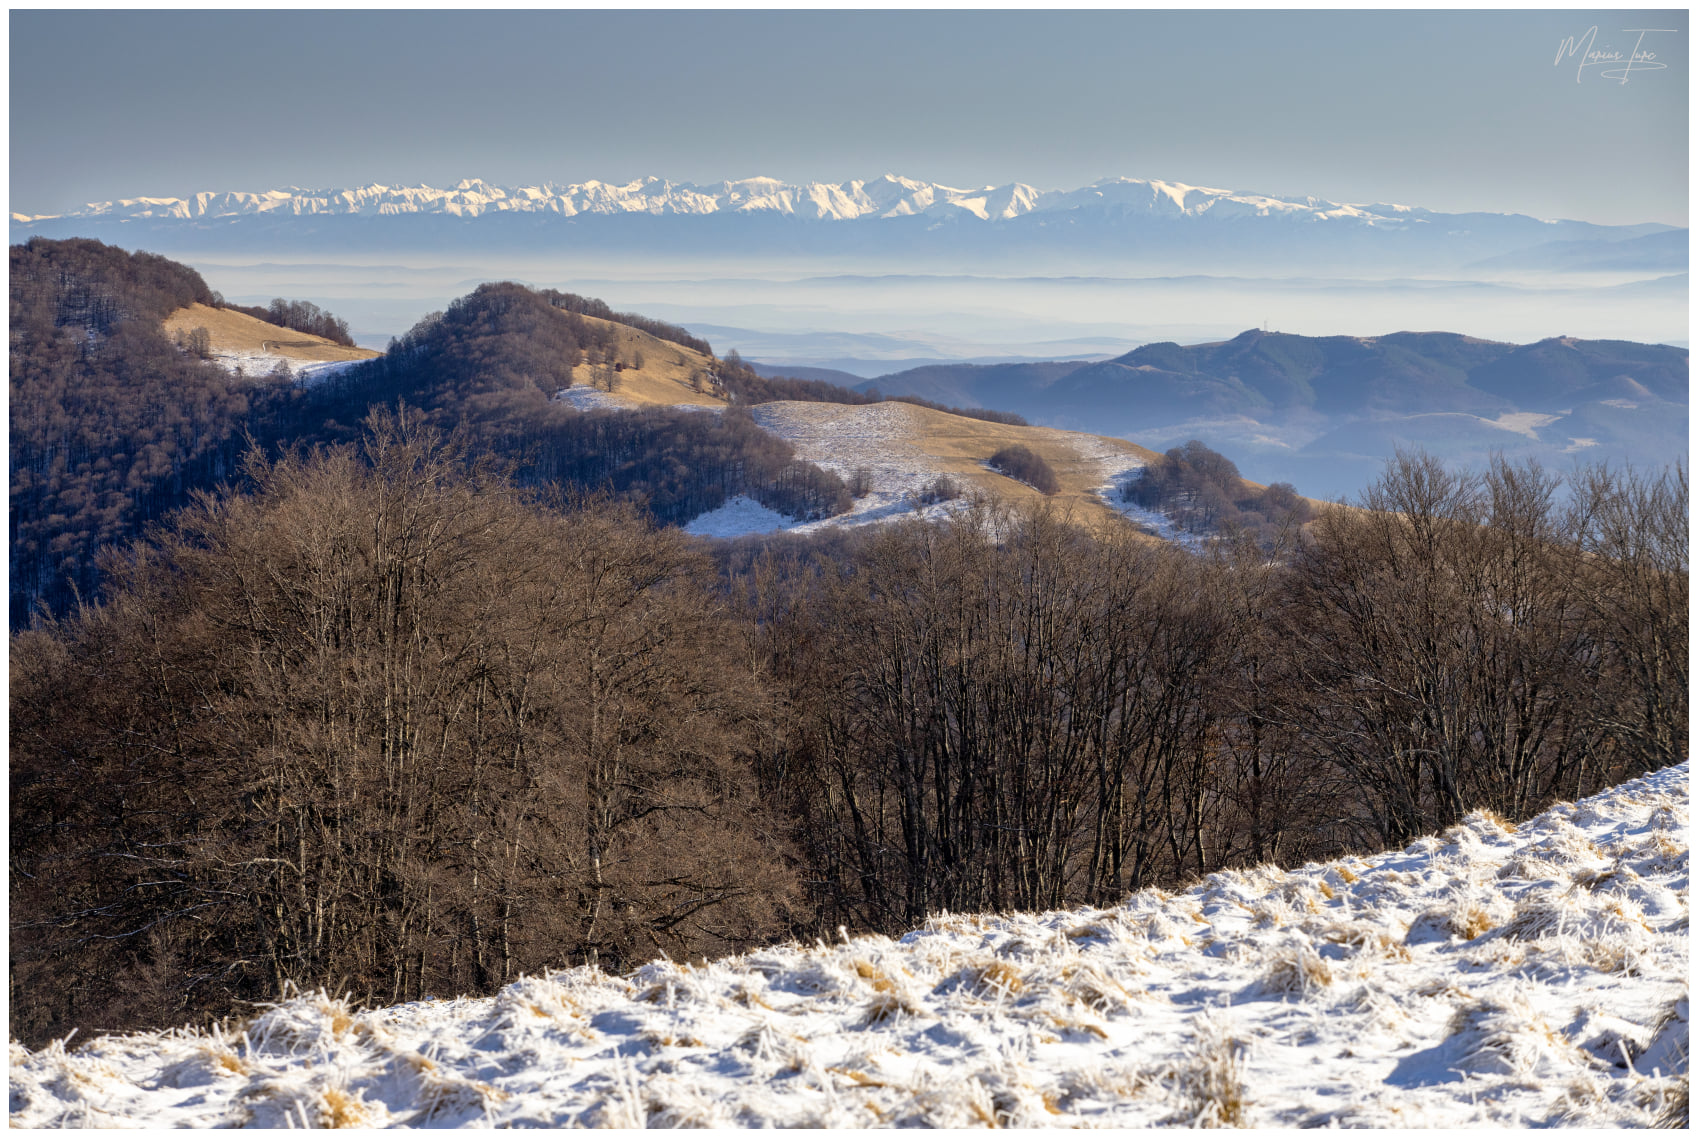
(390, 723)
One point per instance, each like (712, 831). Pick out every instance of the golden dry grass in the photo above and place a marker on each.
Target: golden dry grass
(665, 375)
(239, 332)
(959, 447)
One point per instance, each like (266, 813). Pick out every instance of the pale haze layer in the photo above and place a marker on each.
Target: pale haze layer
(1450, 110)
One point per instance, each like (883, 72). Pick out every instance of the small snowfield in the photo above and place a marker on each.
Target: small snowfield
(1120, 469)
(741, 515)
(1491, 976)
(590, 399)
(880, 438)
(256, 364)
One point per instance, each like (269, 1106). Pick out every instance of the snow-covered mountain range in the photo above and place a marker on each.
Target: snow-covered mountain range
(884, 197)
(893, 223)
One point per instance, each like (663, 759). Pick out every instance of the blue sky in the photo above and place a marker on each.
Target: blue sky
(1450, 110)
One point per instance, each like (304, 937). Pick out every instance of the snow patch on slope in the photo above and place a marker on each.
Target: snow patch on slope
(591, 399)
(841, 438)
(885, 440)
(255, 364)
(1525, 423)
(1118, 470)
(881, 438)
(1491, 976)
(739, 516)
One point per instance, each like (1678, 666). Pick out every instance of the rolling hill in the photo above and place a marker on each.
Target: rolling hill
(905, 449)
(1324, 412)
(238, 340)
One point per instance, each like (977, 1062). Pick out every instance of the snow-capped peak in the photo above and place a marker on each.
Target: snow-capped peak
(887, 196)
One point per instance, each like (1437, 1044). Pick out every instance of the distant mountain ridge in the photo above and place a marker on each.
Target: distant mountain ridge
(888, 196)
(889, 221)
(1277, 373)
(1325, 411)
(1258, 373)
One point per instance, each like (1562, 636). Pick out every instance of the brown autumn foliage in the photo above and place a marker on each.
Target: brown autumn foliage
(109, 419)
(1200, 491)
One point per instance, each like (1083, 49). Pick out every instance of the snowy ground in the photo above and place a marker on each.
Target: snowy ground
(840, 438)
(880, 437)
(740, 515)
(255, 364)
(591, 399)
(886, 440)
(1491, 976)
(1118, 470)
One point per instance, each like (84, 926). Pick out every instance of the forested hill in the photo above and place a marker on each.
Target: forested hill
(114, 425)
(492, 364)
(394, 722)
(1410, 372)
(1271, 374)
(1325, 412)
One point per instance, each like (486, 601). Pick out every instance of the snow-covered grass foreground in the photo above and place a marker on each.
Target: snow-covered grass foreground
(1496, 975)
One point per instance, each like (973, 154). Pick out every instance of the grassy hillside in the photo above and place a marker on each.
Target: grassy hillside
(923, 443)
(651, 371)
(237, 333)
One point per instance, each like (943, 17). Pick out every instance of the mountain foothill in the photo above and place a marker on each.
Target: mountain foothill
(1327, 411)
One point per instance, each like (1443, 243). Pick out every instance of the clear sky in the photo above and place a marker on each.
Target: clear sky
(1449, 110)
